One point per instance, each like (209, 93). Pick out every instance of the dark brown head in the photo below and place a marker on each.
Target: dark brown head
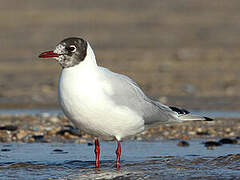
(69, 52)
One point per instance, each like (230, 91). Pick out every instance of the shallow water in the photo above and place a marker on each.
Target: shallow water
(140, 159)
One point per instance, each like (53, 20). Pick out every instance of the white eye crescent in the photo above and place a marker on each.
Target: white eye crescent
(72, 48)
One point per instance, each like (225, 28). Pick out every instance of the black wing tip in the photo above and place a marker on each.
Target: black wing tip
(184, 111)
(208, 119)
(179, 110)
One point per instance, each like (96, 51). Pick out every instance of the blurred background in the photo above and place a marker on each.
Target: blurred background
(183, 53)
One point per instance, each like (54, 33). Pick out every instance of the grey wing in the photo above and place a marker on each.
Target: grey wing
(126, 92)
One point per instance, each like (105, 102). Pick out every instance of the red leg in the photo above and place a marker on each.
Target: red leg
(97, 152)
(118, 152)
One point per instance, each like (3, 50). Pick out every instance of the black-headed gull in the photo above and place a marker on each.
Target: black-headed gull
(103, 103)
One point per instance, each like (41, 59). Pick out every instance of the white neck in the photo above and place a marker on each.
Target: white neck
(90, 59)
(89, 62)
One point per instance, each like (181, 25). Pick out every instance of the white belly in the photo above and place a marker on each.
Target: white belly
(85, 102)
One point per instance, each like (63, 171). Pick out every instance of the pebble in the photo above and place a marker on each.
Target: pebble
(69, 129)
(21, 134)
(231, 134)
(47, 128)
(58, 150)
(9, 128)
(228, 130)
(228, 141)
(5, 150)
(31, 140)
(67, 135)
(139, 138)
(166, 133)
(54, 119)
(38, 138)
(43, 115)
(212, 144)
(53, 132)
(191, 132)
(183, 144)
(202, 133)
(35, 128)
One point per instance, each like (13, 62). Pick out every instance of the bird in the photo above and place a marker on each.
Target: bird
(105, 104)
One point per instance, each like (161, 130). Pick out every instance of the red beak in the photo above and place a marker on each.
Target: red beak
(49, 54)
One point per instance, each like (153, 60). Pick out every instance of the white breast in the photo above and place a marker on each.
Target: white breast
(84, 99)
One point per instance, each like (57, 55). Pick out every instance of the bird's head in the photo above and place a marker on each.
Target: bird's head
(69, 52)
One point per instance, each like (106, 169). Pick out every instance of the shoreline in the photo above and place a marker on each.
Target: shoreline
(57, 128)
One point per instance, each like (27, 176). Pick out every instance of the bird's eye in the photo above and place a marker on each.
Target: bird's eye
(71, 48)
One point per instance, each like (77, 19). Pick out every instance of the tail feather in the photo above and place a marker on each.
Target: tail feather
(193, 117)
